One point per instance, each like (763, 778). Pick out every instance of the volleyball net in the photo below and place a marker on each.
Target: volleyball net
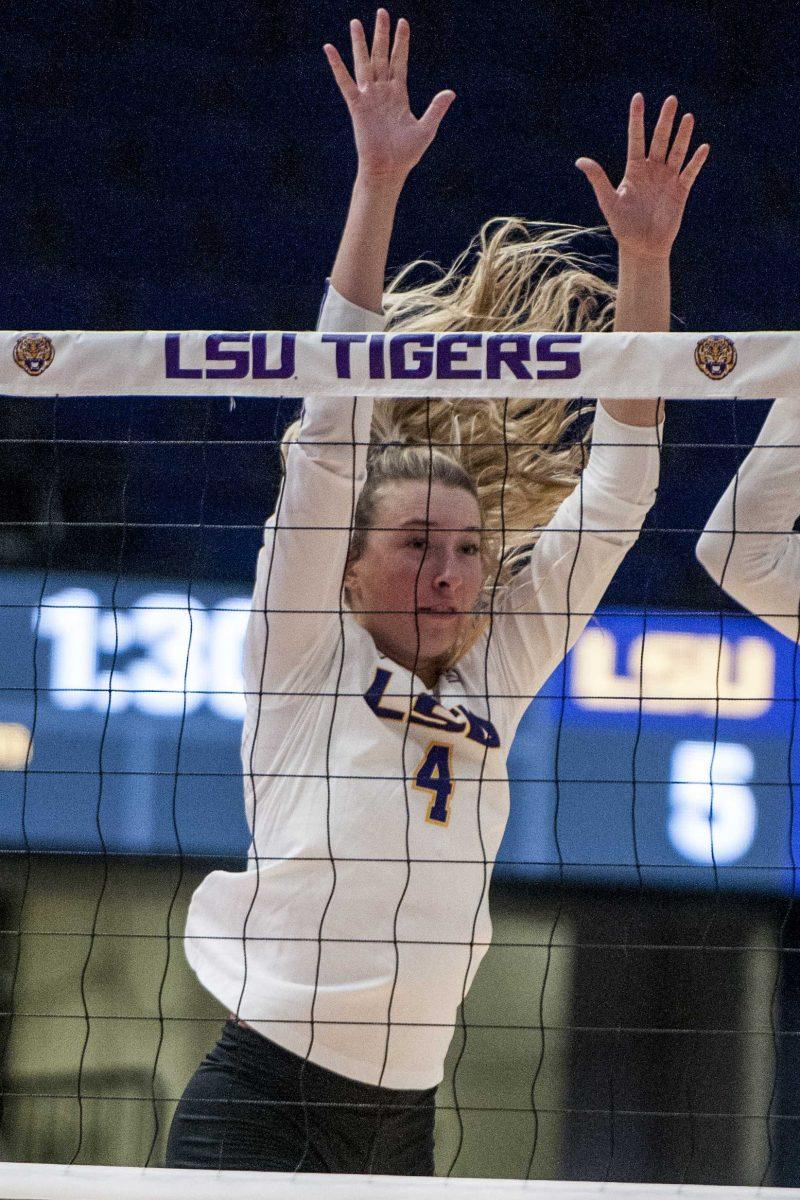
(635, 1016)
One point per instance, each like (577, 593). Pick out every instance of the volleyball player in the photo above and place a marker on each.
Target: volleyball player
(394, 643)
(748, 545)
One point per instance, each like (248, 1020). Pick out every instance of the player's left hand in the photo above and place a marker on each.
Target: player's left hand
(644, 213)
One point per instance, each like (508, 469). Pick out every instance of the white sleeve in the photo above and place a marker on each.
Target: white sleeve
(577, 554)
(748, 545)
(294, 618)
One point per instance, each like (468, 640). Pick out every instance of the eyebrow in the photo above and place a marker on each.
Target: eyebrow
(427, 521)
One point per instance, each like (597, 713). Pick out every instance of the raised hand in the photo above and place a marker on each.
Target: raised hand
(390, 140)
(644, 213)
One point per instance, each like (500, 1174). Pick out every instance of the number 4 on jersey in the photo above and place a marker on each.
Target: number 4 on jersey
(434, 774)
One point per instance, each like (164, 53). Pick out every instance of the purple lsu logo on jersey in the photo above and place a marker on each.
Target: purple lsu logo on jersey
(427, 711)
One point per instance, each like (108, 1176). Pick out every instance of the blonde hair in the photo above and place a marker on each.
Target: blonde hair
(519, 457)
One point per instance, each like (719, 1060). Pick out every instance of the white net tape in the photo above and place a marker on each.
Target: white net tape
(679, 365)
(29, 1182)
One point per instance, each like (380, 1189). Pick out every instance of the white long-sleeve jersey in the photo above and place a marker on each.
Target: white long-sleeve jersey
(749, 546)
(377, 805)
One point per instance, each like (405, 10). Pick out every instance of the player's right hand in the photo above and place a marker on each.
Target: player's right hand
(390, 140)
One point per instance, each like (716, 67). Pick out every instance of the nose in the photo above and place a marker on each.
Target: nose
(446, 575)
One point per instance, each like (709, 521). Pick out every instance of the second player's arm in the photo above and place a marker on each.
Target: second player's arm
(749, 546)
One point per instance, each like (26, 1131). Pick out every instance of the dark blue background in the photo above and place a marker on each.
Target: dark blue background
(189, 166)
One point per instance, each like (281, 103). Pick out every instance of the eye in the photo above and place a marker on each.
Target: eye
(471, 548)
(419, 543)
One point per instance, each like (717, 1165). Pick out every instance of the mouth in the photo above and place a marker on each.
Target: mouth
(438, 612)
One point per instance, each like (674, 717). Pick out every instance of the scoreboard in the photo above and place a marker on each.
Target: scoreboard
(664, 751)
(672, 757)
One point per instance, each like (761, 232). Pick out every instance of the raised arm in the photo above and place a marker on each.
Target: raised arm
(644, 214)
(296, 601)
(749, 546)
(390, 141)
(580, 550)
(576, 556)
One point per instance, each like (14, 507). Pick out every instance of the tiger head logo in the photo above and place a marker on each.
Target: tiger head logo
(715, 356)
(34, 354)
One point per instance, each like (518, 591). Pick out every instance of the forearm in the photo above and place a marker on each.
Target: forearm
(643, 306)
(749, 546)
(643, 296)
(360, 267)
(578, 553)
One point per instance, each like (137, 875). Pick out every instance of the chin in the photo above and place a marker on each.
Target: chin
(438, 652)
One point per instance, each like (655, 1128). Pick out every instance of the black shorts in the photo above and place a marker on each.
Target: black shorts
(253, 1106)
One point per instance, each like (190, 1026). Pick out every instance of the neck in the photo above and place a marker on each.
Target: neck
(428, 670)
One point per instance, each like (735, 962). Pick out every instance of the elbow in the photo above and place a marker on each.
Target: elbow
(713, 551)
(735, 565)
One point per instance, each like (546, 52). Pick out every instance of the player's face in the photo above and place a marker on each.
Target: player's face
(421, 571)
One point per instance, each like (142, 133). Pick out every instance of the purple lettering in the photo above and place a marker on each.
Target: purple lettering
(286, 368)
(376, 367)
(421, 355)
(374, 696)
(343, 342)
(172, 360)
(570, 360)
(215, 352)
(481, 729)
(427, 711)
(515, 357)
(451, 349)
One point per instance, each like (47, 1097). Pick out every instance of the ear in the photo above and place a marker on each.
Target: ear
(351, 571)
